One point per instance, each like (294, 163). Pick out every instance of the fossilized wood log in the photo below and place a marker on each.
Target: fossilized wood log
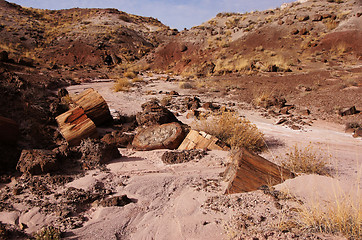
(165, 136)
(9, 131)
(94, 106)
(248, 171)
(202, 140)
(74, 125)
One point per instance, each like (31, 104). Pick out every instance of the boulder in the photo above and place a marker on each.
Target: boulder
(37, 161)
(95, 152)
(249, 171)
(74, 125)
(9, 131)
(166, 136)
(153, 114)
(347, 111)
(202, 140)
(118, 139)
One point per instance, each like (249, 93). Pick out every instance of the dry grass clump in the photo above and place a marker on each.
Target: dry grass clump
(122, 84)
(48, 233)
(130, 74)
(236, 131)
(186, 85)
(341, 215)
(305, 160)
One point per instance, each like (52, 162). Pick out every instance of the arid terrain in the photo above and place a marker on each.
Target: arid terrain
(275, 89)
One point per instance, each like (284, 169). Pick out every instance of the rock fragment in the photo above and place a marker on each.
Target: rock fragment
(37, 161)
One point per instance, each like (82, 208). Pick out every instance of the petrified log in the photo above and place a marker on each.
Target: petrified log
(9, 131)
(248, 172)
(166, 136)
(74, 125)
(202, 140)
(94, 106)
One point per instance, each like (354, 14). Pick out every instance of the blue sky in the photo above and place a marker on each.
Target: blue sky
(174, 13)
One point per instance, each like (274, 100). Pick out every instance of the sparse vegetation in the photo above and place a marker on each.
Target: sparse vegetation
(306, 160)
(48, 233)
(122, 84)
(236, 131)
(186, 85)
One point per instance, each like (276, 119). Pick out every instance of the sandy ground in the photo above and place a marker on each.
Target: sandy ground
(186, 201)
(170, 198)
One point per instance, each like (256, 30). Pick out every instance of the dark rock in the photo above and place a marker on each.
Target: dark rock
(303, 31)
(174, 157)
(118, 201)
(209, 106)
(183, 48)
(62, 92)
(305, 112)
(295, 31)
(9, 131)
(37, 161)
(118, 139)
(173, 93)
(281, 121)
(26, 62)
(192, 103)
(303, 18)
(347, 111)
(4, 56)
(357, 133)
(95, 152)
(286, 109)
(193, 114)
(153, 114)
(166, 136)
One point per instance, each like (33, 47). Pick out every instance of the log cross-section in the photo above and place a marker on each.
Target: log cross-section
(74, 126)
(94, 106)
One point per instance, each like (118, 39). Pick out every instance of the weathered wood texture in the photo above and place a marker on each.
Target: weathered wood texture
(9, 131)
(202, 140)
(94, 106)
(74, 125)
(248, 172)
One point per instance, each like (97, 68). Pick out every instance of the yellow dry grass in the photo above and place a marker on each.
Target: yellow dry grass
(122, 84)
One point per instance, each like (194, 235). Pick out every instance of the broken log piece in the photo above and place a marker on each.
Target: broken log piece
(249, 171)
(9, 131)
(166, 136)
(74, 125)
(94, 106)
(202, 140)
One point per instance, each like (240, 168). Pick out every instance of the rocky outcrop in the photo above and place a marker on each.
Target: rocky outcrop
(117, 201)
(248, 172)
(95, 152)
(347, 111)
(153, 114)
(37, 161)
(166, 136)
(202, 140)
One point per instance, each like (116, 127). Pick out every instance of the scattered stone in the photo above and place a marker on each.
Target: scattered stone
(303, 18)
(62, 92)
(95, 152)
(173, 93)
(357, 133)
(166, 136)
(193, 114)
(286, 109)
(295, 127)
(174, 157)
(305, 112)
(317, 18)
(74, 126)
(248, 172)
(281, 121)
(209, 106)
(118, 139)
(303, 31)
(202, 140)
(37, 161)
(347, 111)
(153, 114)
(295, 31)
(118, 201)
(192, 103)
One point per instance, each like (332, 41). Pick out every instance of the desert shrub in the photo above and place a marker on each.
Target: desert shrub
(331, 24)
(137, 79)
(122, 84)
(236, 131)
(341, 215)
(130, 74)
(186, 85)
(48, 233)
(305, 160)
